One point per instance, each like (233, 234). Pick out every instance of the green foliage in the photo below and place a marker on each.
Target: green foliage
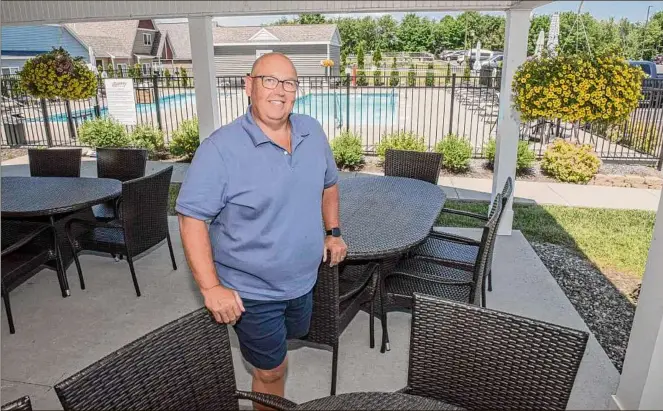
(185, 77)
(103, 132)
(378, 79)
(56, 74)
(401, 140)
(639, 135)
(467, 71)
(456, 153)
(571, 163)
(377, 57)
(186, 139)
(147, 137)
(110, 71)
(362, 81)
(524, 159)
(411, 77)
(134, 71)
(347, 150)
(394, 78)
(447, 77)
(360, 55)
(167, 75)
(430, 76)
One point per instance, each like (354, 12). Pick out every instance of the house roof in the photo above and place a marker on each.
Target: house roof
(108, 38)
(178, 37)
(305, 33)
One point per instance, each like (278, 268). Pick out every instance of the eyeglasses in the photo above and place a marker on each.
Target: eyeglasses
(271, 83)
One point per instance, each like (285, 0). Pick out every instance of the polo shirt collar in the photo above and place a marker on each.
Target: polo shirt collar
(259, 137)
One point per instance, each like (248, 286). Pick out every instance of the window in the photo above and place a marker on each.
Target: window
(147, 39)
(146, 68)
(6, 71)
(121, 69)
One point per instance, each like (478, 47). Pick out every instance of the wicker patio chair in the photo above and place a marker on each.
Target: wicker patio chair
(336, 302)
(26, 246)
(478, 358)
(418, 275)
(21, 404)
(55, 162)
(412, 164)
(143, 223)
(460, 251)
(183, 365)
(121, 164)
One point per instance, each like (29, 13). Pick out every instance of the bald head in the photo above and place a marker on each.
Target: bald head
(272, 62)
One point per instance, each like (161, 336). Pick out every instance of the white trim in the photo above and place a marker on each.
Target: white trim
(616, 405)
(285, 43)
(15, 70)
(3, 57)
(264, 35)
(147, 36)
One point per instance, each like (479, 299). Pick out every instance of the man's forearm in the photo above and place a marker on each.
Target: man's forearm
(330, 207)
(198, 251)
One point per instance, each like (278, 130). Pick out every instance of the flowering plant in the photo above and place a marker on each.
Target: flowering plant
(577, 88)
(327, 63)
(57, 74)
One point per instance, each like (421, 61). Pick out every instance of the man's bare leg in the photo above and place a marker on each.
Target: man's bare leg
(269, 382)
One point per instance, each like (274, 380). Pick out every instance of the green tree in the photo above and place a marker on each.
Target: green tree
(311, 18)
(360, 55)
(430, 75)
(386, 28)
(167, 75)
(537, 24)
(415, 33)
(411, 77)
(394, 78)
(652, 43)
(377, 57)
(185, 77)
(378, 80)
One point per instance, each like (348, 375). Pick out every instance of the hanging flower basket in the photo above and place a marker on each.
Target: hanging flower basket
(57, 75)
(327, 63)
(577, 88)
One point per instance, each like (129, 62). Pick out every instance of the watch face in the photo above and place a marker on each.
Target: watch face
(336, 232)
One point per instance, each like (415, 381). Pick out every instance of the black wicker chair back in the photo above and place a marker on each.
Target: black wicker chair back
(478, 358)
(144, 210)
(183, 365)
(21, 404)
(488, 236)
(60, 162)
(121, 163)
(413, 164)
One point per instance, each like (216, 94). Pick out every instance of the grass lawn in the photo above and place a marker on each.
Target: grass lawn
(614, 240)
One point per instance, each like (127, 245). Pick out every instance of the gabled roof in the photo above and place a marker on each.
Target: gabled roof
(178, 37)
(305, 33)
(108, 38)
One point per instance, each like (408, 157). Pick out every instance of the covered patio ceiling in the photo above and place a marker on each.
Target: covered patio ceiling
(52, 12)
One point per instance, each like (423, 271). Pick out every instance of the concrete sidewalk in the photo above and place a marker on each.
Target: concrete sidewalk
(458, 188)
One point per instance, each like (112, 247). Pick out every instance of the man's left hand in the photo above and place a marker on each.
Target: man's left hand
(336, 247)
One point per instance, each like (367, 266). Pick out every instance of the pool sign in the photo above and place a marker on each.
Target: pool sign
(121, 100)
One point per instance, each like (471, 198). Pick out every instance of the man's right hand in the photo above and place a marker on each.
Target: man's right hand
(225, 304)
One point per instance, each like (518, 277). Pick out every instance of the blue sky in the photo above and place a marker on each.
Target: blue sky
(633, 10)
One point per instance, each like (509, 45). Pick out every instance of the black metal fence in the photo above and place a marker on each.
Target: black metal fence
(430, 104)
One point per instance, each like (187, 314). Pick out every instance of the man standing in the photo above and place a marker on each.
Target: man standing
(266, 182)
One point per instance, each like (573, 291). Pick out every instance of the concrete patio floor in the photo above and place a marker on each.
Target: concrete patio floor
(55, 336)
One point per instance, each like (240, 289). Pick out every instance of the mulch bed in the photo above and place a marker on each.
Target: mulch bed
(606, 310)
(9, 153)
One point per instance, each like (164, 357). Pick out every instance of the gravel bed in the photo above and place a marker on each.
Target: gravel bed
(607, 312)
(9, 153)
(629, 169)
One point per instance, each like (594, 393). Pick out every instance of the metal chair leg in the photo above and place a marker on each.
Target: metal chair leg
(170, 248)
(76, 261)
(133, 274)
(383, 317)
(334, 368)
(490, 280)
(372, 324)
(8, 310)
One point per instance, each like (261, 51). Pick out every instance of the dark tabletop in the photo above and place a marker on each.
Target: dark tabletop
(375, 401)
(382, 216)
(43, 196)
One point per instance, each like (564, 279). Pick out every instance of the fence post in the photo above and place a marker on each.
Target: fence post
(70, 119)
(97, 109)
(347, 103)
(451, 111)
(47, 123)
(155, 84)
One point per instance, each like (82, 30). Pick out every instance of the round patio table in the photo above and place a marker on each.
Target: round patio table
(55, 198)
(375, 401)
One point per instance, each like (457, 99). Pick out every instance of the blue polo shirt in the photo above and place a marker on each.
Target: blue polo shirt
(264, 205)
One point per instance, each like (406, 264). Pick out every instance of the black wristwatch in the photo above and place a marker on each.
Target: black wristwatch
(334, 232)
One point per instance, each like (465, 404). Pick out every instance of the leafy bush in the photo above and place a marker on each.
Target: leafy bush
(456, 153)
(401, 140)
(103, 132)
(394, 78)
(147, 137)
(377, 78)
(110, 71)
(186, 139)
(167, 75)
(430, 76)
(447, 78)
(347, 150)
(524, 160)
(361, 78)
(467, 71)
(411, 77)
(185, 77)
(568, 162)
(56, 74)
(360, 55)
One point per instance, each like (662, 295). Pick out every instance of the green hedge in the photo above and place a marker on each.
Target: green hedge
(401, 140)
(347, 150)
(571, 163)
(456, 153)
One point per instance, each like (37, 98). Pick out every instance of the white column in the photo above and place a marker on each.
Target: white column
(641, 382)
(515, 52)
(202, 56)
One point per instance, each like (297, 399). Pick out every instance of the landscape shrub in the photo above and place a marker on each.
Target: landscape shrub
(362, 81)
(524, 160)
(377, 78)
(401, 140)
(147, 137)
(456, 153)
(394, 78)
(639, 135)
(347, 150)
(411, 77)
(186, 139)
(103, 132)
(569, 162)
(430, 76)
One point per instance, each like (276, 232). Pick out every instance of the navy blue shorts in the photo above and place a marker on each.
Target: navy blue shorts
(265, 326)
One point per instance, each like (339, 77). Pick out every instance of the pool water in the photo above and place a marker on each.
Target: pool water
(332, 108)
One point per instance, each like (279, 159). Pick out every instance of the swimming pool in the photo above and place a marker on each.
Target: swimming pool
(332, 108)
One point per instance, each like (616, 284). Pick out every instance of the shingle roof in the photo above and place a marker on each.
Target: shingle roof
(108, 37)
(178, 36)
(322, 33)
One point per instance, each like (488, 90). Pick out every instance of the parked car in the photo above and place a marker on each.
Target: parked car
(453, 55)
(484, 55)
(494, 62)
(649, 67)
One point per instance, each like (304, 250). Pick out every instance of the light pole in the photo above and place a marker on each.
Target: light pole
(644, 35)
